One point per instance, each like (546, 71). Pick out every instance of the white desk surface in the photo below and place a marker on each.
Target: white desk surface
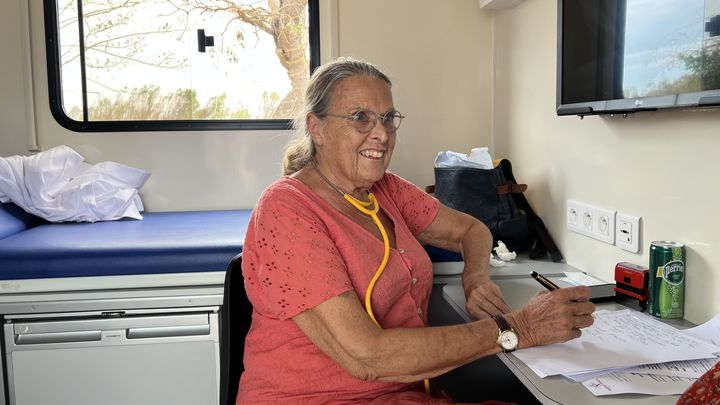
(522, 266)
(554, 389)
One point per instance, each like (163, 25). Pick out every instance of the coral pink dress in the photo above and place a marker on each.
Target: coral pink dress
(300, 251)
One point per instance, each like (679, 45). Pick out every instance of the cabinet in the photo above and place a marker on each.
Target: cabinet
(140, 346)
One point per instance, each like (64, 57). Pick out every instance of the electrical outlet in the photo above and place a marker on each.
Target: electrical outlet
(592, 221)
(572, 216)
(587, 220)
(572, 211)
(628, 232)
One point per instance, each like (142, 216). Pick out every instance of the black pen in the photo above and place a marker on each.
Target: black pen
(544, 281)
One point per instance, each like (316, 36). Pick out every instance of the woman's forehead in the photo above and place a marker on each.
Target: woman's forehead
(363, 92)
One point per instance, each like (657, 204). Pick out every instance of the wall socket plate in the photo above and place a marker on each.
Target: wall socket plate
(627, 232)
(592, 221)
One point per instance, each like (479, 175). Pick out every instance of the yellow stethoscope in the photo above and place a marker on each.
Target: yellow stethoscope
(362, 206)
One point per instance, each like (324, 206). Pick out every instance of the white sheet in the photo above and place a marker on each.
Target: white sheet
(616, 339)
(59, 186)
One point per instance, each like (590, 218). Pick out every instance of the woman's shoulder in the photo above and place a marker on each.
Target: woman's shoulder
(285, 190)
(289, 194)
(394, 184)
(390, 179)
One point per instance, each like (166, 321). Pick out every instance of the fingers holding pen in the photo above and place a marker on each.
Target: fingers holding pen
(554, 317)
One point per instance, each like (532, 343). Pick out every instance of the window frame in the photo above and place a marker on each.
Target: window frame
(52, 49)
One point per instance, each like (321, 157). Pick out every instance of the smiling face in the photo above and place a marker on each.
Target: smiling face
(351, 159)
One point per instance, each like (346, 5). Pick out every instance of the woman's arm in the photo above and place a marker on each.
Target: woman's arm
(342, 330)
(459, 232)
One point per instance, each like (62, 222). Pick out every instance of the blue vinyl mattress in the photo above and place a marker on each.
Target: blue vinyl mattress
(162, 242)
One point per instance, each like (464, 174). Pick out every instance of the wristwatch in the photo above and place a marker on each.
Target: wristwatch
(507, 338)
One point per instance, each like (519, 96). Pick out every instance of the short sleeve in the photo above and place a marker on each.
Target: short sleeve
(290, 263)
(417, 207)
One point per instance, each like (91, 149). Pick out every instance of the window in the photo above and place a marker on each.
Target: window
(143, 65)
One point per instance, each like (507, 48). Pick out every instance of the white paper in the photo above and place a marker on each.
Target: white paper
(579, 278)
(616, 339)
(684, 368)
(707, 332)
(668, 378)
(650, 384)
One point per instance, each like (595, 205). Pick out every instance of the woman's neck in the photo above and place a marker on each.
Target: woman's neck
(358, 193)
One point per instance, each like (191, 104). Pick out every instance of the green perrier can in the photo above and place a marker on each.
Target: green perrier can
(667, 279)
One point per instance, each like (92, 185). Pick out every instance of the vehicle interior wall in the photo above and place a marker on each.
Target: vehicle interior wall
(424, 46)
(657, 165)
(13, 133)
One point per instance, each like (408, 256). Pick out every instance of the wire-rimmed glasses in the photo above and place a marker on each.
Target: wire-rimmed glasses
(364, 120)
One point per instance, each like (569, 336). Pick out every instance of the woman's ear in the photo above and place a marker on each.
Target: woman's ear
(315, 128)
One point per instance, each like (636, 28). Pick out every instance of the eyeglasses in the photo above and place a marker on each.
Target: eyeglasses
(364, 121)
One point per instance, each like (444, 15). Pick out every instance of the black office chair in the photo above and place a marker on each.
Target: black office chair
(235, 318)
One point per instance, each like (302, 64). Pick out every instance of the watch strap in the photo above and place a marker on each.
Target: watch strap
(504, 326)
(501, 322)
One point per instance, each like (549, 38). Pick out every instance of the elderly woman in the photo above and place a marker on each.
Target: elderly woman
(334, 266)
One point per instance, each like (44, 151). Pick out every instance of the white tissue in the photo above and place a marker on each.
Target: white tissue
(495, 262)
(503, 253)
(479, 158)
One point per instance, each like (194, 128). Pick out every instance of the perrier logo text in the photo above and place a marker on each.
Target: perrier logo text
(673, 272)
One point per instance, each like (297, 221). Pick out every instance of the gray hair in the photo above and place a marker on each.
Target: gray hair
(300, 151)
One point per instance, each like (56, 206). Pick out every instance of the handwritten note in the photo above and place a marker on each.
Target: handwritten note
(650, 384)
(687, 368)
(617, 339)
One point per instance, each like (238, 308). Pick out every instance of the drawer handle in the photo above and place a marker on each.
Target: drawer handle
(59, 337)
(168, 331)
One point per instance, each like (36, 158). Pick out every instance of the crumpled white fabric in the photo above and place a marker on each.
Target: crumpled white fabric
(59, 186)
(479, 158)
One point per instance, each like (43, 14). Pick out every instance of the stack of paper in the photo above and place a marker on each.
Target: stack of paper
(630, 352)
(598, 288)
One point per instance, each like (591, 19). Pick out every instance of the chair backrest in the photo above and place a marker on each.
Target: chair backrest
(235, 319)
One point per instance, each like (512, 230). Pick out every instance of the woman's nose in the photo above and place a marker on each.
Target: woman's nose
(379, 131)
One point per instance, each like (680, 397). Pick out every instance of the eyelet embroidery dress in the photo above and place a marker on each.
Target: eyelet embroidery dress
(299, 252)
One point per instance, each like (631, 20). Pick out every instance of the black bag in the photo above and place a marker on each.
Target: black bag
(494, 197)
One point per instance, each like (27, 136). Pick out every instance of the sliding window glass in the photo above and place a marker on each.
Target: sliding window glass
(151, 65)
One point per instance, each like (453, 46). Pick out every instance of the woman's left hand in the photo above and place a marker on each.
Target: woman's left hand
(459, 232)
(484, 299)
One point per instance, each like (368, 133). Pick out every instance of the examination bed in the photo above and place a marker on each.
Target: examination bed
(162, 242)
(114, 312)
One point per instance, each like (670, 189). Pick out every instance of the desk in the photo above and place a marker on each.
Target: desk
(555, 389)
(518, 268)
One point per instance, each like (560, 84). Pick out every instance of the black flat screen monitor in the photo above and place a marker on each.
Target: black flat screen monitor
(621, 56)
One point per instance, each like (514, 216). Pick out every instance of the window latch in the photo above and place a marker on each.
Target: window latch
(204, 40)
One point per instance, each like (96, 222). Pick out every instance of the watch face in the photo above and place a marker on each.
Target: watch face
(508, 340)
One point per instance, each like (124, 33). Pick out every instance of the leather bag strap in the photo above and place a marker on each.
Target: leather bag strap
(511, 188)
(545, 243)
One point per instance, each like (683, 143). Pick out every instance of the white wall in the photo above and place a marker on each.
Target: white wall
(13, 123)
(661, 166)
(425, 46)
(438, 54)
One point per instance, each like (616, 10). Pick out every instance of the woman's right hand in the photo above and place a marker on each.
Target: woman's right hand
(553, 317)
